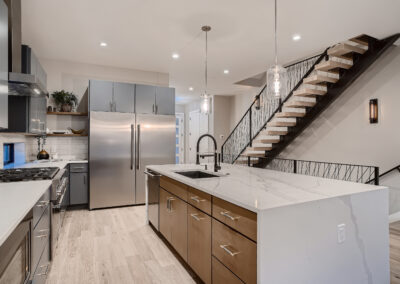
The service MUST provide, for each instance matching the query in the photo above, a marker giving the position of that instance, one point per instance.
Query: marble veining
(261, 189)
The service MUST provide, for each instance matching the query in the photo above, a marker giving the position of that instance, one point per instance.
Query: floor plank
(113, 246)
(394, 252)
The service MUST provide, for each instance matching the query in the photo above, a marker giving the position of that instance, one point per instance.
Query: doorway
(198, 125)
(180, 138)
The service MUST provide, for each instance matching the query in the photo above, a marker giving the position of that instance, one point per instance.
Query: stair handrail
(361, 172)
(278, 109)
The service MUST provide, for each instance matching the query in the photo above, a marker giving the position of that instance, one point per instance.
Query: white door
(180, 139)
(198, 125)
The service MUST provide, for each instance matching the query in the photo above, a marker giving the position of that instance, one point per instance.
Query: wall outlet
(341, 233)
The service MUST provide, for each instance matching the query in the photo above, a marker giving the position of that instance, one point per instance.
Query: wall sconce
(257, 102)
(373, 111)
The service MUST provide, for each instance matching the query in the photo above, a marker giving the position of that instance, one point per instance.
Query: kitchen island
(263, 226)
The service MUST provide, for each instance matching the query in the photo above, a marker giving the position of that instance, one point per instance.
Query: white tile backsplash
(66, 147)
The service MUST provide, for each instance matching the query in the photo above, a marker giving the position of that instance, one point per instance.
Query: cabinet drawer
(199, 243)
(221, 274)
(78, 168)
(175, 187)
(236, 217)
(40, 237)
(43, 268)
(40, 206)
(199, 199)
(235, 251)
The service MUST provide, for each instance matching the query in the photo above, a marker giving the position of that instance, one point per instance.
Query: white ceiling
(142, 34)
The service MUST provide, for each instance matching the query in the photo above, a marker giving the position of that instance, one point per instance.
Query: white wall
(221, 118)
(342, 133)
(74, 77)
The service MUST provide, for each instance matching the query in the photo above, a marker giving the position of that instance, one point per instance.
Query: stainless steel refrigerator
(120, 147)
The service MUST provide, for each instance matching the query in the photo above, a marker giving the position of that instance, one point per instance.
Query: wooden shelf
(66, 135)
(68, 113)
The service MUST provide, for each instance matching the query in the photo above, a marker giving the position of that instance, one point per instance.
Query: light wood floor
(395, 253)
(116, 246)
(113, 246)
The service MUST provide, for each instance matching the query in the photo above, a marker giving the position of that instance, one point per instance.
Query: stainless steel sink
(196, 174)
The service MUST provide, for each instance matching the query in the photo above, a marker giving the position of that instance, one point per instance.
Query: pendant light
(205, 105)
(277, 74)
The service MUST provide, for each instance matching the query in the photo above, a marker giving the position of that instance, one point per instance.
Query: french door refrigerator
(121, 145)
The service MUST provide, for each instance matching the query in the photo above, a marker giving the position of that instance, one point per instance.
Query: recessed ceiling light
(103, 44)
(175, 55)
(191, 89)
(226, 71)
(296, 37)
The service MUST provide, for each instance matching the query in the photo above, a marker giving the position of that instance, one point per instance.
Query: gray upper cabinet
(145, 99)
(124, 95)
(165, 100)
(101, 95)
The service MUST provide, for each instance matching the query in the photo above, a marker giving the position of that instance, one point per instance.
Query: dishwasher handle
(151, 174)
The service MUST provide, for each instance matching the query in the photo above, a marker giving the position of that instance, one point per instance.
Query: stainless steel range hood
(26, 76)
(22, 78)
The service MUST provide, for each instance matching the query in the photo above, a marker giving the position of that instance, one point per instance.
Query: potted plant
(65, 100)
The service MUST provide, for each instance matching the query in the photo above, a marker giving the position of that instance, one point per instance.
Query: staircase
(268, 127)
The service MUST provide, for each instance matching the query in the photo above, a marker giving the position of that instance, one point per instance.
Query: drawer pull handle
(226, 214)
(45, 271)
(41, 236)
(169, 203)
(197, 199)
(42, 204)
(195, 216)
(231, 253)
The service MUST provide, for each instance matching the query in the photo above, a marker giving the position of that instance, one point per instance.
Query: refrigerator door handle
(138, 148)
(132, 142)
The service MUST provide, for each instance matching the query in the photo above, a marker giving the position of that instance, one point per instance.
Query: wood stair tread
(267, 139)
(291, 112)
(308, 93)
(300, 102)
(345, 48)
(282, 121)
(274, 130)
(316, 79)
(331, 64)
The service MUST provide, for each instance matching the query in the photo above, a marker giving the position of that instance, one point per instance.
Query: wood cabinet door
(221, 274)
(165, 226)
(199, 243)
(178, 211)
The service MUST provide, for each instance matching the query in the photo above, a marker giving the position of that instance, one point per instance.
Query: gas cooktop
(26, 174)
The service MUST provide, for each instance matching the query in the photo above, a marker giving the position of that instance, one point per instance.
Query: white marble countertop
(260, 189)
(49, 163)
(17, 198)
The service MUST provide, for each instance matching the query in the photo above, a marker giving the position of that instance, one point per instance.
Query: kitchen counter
(49, 163)
(17, 198)
(324, 230)
(260, 189)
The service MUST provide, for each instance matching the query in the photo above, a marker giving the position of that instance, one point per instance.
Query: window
(8, 154)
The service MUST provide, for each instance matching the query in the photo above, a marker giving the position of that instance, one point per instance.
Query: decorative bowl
(79, 131)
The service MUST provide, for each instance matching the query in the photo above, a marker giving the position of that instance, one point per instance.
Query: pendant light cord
(275, 37)
(206, 64)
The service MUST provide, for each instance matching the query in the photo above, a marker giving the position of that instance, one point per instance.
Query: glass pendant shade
(205, 104)
(277, 78)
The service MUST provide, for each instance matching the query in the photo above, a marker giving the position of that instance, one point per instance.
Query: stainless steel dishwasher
(153, 187)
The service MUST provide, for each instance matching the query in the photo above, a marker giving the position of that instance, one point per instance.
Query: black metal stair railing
(262, 110)
(339, 171)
